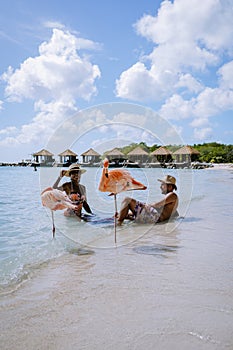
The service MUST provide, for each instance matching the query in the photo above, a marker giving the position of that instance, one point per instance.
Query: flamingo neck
(106, 171)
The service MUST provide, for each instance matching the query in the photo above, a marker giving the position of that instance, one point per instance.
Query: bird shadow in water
(80, 251)
(156, 249)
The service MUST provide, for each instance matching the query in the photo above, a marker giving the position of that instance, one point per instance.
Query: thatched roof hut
(138, 154)
(91, 156)
(68, 157)
(66, 153)
(161, 151)
(162, 154)
(44, 157)
(114, 153)
(186, 154)
(43, 153)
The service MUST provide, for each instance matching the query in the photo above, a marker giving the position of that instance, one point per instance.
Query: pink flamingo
(116, 181)
(56, 200)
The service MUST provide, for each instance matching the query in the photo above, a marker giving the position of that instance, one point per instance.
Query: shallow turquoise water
(25, 226)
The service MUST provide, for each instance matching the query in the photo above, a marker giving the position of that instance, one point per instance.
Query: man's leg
(127, 204)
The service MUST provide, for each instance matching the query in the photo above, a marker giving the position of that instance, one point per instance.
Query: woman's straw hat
(169, 180)
(74, 167)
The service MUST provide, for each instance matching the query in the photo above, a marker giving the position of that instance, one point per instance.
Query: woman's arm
(83, 192)
(55, 185)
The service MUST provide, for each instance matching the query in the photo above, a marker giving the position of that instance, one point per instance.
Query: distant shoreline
(215, 166)
(221, 166)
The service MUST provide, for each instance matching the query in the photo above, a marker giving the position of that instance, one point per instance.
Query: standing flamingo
(56, 200)
(116, 181)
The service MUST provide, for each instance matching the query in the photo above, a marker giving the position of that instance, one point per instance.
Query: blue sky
(60, 57)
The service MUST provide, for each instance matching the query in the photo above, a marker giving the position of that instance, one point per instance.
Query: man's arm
(170, 198)
(167, 207)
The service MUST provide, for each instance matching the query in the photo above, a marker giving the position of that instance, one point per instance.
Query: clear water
(170, 285)
(25, 226)
(25, 242)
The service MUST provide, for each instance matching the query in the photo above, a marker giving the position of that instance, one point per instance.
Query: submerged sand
(151, 295)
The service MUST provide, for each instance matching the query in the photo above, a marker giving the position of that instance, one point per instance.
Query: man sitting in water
(154, 212)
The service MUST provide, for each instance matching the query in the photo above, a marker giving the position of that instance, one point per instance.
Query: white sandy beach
(222, 166)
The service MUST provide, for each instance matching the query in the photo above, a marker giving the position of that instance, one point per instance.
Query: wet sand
(152, 294)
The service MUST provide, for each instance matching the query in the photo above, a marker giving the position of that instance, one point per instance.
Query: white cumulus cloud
(190, 41)
(176, 108)
(54, 80)
(226, 75)
(202, 134)
(58, 72)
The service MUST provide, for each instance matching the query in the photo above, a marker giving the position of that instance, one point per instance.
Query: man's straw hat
(169, 180)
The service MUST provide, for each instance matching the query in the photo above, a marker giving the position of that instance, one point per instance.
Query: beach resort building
(44, 157)
(114, 153)
(138, 155)
(186, 154)
(161, 155)
(68, 157)
(90, 157)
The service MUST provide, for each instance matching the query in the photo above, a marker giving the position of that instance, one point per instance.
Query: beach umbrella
(116, 181)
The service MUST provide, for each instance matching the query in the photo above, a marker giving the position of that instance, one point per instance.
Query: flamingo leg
(54, 229)
(115, 216)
